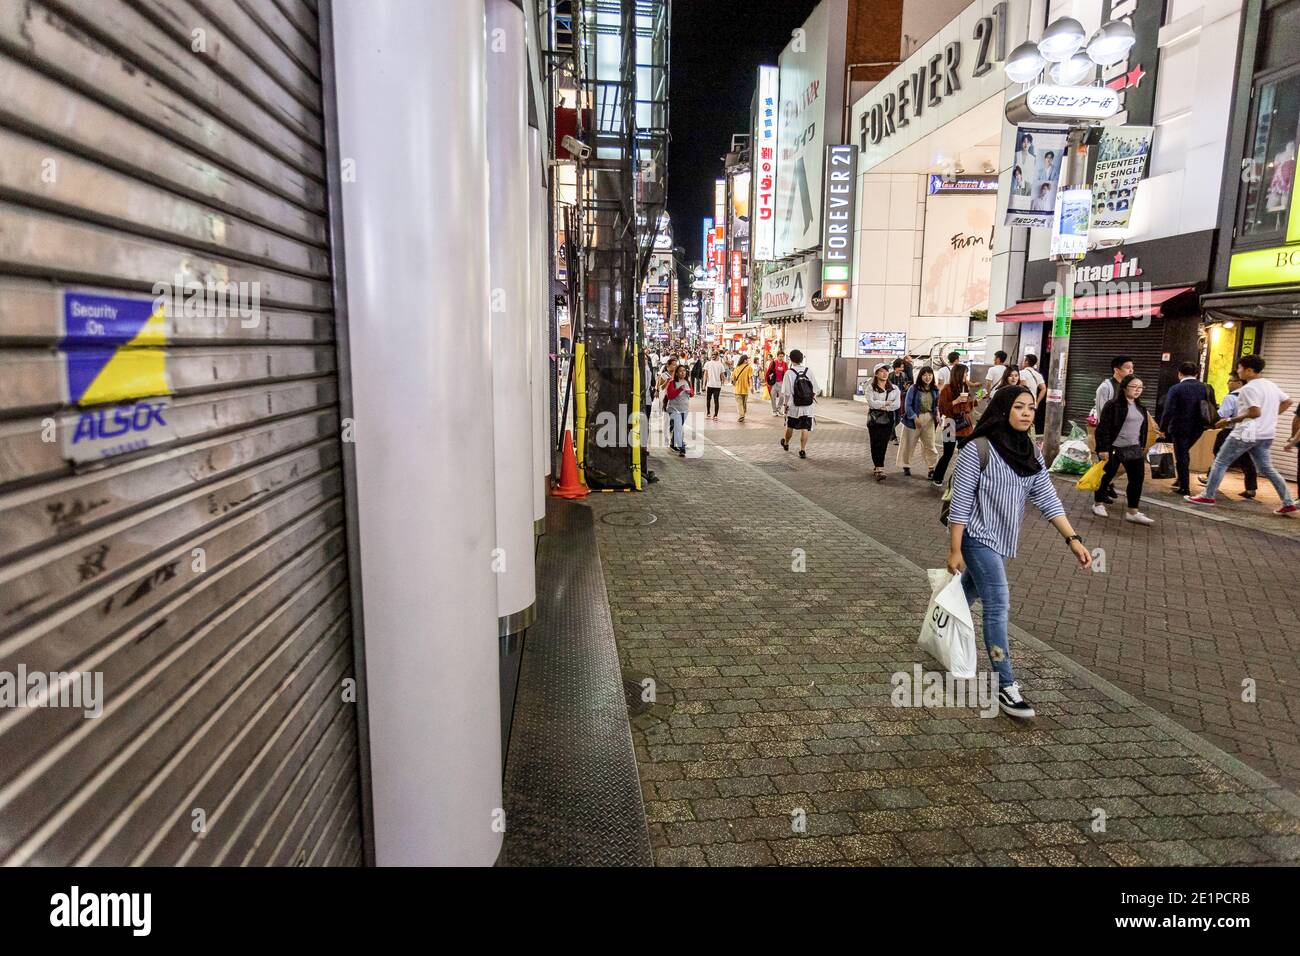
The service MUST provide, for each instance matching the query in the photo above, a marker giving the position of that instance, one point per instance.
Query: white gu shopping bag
(948, 633)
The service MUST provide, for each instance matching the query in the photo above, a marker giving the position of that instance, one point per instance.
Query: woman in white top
(883, 400)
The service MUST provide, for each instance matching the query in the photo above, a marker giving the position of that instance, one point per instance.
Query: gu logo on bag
(113, 357)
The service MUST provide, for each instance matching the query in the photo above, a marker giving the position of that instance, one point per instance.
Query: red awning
(1120, 305)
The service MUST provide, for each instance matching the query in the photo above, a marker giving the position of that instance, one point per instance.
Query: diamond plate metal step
(572, 793)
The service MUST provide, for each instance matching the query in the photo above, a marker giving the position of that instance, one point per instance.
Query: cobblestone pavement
(773, 739)
(1186, 611)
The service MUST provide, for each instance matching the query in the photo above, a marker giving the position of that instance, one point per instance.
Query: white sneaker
(1012, 704)
(1138, 518)
(1100, 511)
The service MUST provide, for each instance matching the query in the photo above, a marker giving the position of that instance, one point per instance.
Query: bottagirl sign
(839, 197)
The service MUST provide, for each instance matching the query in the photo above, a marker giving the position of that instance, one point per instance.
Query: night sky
(717, 47)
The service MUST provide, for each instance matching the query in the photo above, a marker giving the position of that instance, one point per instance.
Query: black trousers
(1247, 463)
(1183, 460)
(880, 435)
(941, 469)
(1136, 470)
(711, 400)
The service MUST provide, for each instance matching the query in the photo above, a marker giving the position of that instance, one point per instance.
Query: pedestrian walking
(898, 378)
(697, 373)
(1121, 366)
(1183, 420)
(744, 378)
(1009, 377)
(799, 395)
(1121, 443)
(1032, 379)
(1259, 403)
(714, 371)
(1228, 409)
(920, 411)
(678, 402)
(1291, 444)
(883, 403)
(997, 471)
(775, 376)
(956, 407)
(996, 371)
(943, 374)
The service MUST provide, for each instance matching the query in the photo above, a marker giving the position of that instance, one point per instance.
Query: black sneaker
(907, 471)
(802, 453)
(1012, 704)
(785, 444)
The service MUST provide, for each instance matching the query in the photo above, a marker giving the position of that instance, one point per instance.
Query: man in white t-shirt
(714, 370)
(996, 370)
(1259, 402)
(943, 374)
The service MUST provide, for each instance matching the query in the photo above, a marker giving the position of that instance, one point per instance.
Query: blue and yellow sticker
(113, 348)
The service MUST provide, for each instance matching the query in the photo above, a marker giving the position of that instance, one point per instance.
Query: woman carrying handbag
(1122, 429)
(956, 405)
(883, 400)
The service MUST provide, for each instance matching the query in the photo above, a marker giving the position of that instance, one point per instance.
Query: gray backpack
(982, 444)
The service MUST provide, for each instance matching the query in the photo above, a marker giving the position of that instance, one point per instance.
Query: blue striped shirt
(991, 505)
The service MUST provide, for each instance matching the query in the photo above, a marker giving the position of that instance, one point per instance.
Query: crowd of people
(978, 442)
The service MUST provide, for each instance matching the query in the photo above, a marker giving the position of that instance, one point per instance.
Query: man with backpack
(799, 392)
(1189, 410)
(775, 378)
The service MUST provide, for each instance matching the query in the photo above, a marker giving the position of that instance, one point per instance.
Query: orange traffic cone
(569, 486)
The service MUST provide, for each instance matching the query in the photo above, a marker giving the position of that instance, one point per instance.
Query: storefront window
(1268, 172)
(1267, 196)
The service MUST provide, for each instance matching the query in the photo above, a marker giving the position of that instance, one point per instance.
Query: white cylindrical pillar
(507, 142)
(539, 320)
(411, 103)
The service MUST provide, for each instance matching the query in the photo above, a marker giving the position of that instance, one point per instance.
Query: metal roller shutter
(1093, 343)
(200, 565)
(1281, 354)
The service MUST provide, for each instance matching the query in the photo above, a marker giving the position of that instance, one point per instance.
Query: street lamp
(1074, 56)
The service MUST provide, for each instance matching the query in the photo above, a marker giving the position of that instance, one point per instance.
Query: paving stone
(775, 685)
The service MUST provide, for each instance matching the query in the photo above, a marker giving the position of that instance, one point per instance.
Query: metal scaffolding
(613, 56)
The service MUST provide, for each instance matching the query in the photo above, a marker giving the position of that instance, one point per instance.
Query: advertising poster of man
(1035, 172)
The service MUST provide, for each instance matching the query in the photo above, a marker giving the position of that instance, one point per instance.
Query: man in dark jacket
(1182, 422)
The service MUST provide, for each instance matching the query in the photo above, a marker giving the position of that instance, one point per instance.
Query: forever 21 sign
(937, 77)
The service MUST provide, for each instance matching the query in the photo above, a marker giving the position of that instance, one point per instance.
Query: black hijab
(1015, 447)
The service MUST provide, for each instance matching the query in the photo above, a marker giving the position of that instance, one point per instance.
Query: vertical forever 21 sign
(839, 199)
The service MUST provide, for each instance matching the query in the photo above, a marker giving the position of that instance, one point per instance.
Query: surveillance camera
(575, 147)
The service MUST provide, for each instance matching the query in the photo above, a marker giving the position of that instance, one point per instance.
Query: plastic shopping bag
(1075, 456)
(1161, 458)
(948, 633)
(1091, 479)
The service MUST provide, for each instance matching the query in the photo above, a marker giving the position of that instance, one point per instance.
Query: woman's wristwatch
(1074, 537)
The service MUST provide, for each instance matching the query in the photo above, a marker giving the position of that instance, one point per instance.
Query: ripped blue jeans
(985, 579)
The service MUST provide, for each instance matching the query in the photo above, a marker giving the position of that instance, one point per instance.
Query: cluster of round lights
(1065, 44)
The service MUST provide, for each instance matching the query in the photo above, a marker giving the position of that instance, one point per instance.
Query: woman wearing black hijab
(995, 473)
